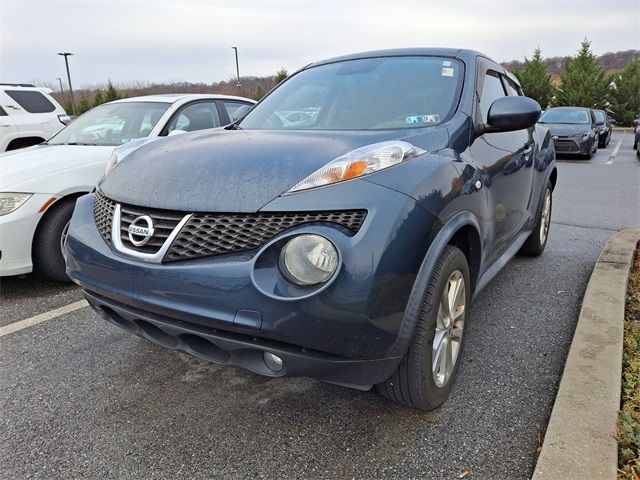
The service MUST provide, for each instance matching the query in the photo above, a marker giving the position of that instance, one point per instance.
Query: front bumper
(573, 146)
(241, 350)
(352, 323)
(16, 236)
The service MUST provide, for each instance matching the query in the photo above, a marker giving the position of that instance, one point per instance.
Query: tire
(414, 383)
(47, 251)
(537, 241)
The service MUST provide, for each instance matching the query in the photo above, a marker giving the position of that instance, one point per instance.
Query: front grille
(210, 234)
(164, 222)
(103, 209)
(566, 146)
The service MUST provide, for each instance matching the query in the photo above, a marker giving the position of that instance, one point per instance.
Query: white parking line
(43, 317)
(612, 157)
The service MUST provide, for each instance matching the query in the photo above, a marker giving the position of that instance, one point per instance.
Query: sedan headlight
(308, 260)
(10, 201)
(359, 162)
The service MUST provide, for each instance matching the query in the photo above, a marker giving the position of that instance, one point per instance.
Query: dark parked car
(636, 138)
(345, 247)
(605, 126)
(573, 129)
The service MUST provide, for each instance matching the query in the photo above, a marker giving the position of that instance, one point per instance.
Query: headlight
(308, 260)
(357, 163)
(113, 161)
(586, 136)
(12, 201)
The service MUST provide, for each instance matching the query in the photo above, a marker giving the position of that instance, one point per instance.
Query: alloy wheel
(449, 329)
(545, 219)
(63, 238)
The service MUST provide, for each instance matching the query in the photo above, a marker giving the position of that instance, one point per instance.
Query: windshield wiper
(233, 126)
(82, 144)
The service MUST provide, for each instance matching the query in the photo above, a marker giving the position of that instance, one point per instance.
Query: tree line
(584, 83)
(86, 99)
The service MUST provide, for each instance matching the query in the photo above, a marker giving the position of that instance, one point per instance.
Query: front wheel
(428, 370)
(48, 243)
(537, 241)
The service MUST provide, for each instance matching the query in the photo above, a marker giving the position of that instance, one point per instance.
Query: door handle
(2, 125)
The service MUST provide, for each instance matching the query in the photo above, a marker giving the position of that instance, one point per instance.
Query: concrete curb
(581, 436)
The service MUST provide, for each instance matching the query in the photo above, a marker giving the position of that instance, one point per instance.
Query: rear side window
(197, 116)
(231, 107)
(2, 113)
(491, 90)
(32, 102)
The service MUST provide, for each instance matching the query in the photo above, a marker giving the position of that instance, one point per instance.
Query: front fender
(443, 235)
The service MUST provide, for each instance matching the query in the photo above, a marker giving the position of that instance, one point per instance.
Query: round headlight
(308, 260)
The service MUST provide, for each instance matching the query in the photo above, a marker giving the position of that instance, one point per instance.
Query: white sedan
(39, 185)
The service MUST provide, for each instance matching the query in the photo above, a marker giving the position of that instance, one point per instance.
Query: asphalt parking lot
(81, 399)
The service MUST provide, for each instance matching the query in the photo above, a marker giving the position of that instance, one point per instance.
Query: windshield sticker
(420, 119)
(446, 63)
(447, 72)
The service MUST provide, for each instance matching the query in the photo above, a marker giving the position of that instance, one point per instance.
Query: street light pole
(66, 62)
(61, 89)
(238, 72)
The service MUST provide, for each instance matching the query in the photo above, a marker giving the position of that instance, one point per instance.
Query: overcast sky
(191, 40)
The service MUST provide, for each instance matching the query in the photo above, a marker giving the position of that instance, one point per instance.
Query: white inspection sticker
(414, 119)
(447, 72)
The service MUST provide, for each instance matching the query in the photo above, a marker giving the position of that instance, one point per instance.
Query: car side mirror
(240, 112)
(507, 114)
(612, 121)
(176, 132)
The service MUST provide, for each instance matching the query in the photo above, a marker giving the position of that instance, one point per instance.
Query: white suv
(28, 116)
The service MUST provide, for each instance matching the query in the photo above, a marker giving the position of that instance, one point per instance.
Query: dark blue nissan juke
(338, 231)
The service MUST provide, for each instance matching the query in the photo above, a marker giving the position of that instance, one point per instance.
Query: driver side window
(197, 116)
(492, 89)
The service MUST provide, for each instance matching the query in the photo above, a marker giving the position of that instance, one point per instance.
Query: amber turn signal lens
(47, 204)
(355, 169)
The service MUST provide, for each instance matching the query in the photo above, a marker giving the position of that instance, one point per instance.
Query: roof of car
(405, 52)
(176, 97)
(569, 107)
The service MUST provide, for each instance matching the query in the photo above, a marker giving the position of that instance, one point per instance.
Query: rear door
(35, 115)
(8, 129)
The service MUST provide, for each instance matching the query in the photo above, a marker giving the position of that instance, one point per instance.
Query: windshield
(112, 124)
(599, 116)
(367, 94)
(565, 116)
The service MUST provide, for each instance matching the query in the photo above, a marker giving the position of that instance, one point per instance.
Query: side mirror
(240, 112)
(176, 132)
(507, 114)
(612, 121)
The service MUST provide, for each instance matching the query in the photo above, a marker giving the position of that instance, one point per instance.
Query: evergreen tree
(98, 98)
(83, 106)
(584, 82)
(625, 97)
(281, 75)
(111, 94)
(536, 80)
(259, 93)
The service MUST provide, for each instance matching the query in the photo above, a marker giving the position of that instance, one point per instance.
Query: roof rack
(17, 84)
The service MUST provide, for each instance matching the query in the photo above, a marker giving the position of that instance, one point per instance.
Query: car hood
(235, 170)
(566, 129)
(24, 169)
